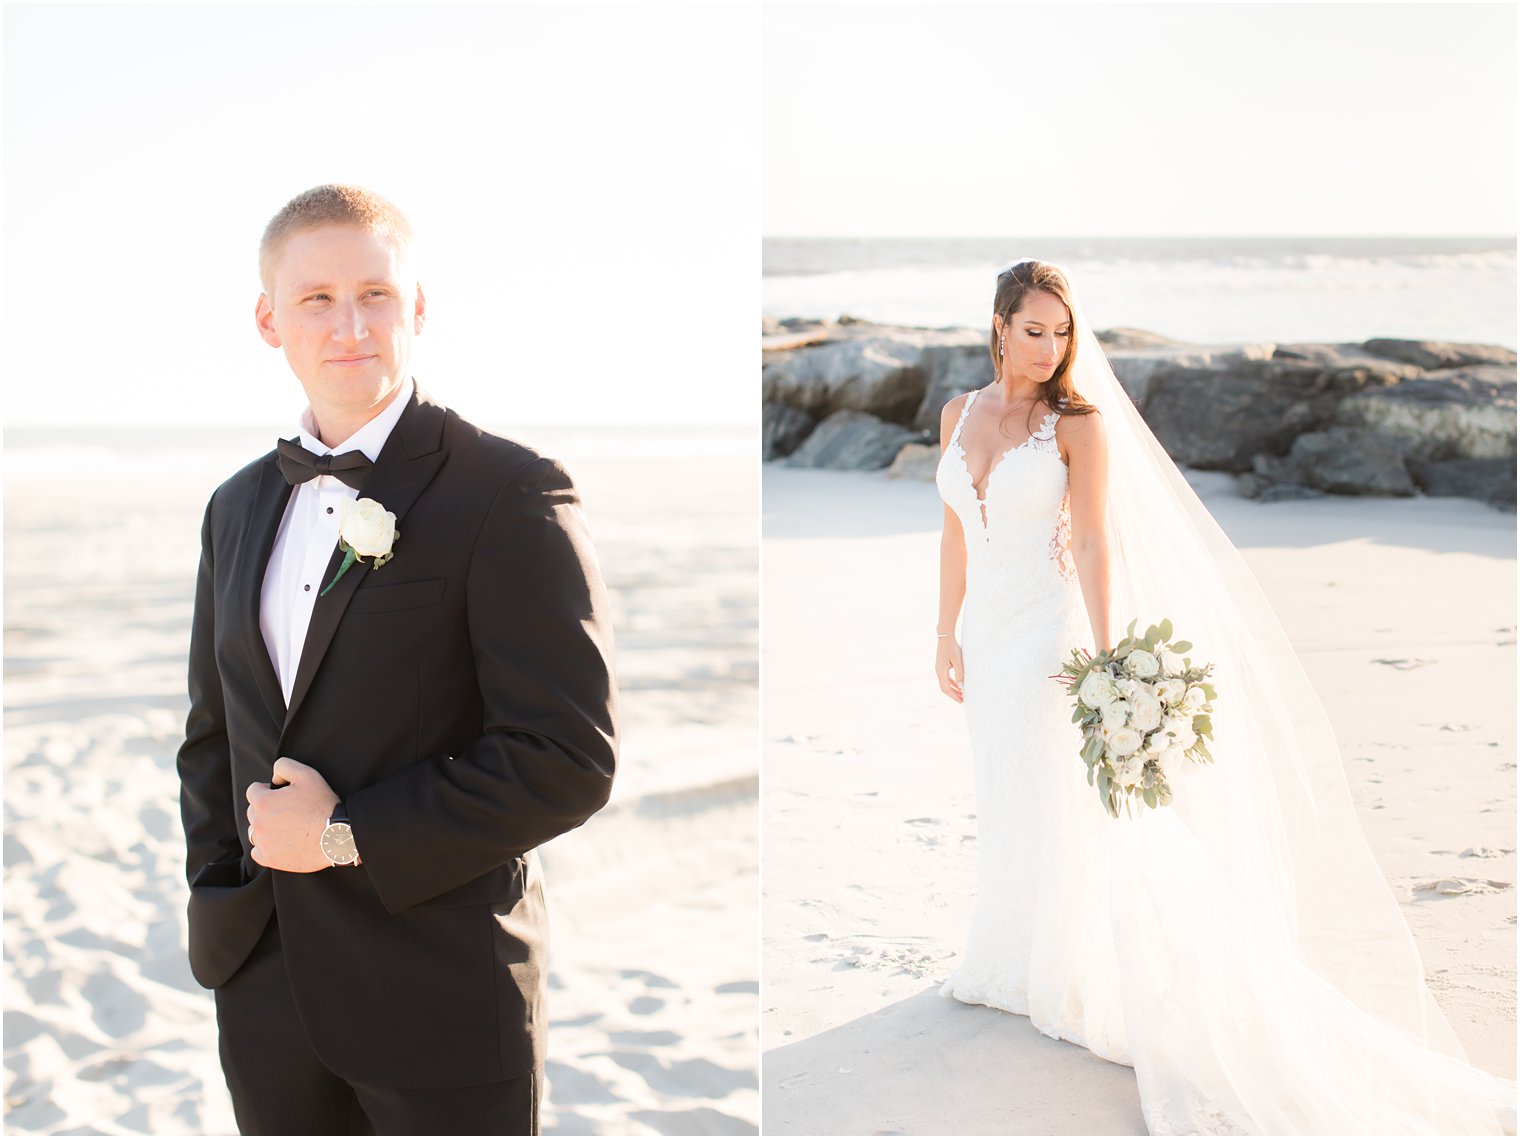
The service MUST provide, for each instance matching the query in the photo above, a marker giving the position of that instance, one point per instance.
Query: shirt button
(329, 510)
(307, 588)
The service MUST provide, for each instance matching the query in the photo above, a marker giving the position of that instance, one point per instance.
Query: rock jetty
(1382, 417)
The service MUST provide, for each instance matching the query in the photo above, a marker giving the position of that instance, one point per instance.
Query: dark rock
(1267, 490)
(1429, 354)
(782, 429)
(1134, 367)
(1466, 413)
(1218, 420)
(1345, 460)
(878, 371)
(951, 370)
(851, 441)
(1122, 338)
(1488, 480)
(803, 323)
(1273, 469)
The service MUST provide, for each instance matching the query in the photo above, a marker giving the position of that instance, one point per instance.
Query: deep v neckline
(981, 495)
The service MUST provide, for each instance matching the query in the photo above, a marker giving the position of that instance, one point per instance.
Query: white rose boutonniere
(365, 530)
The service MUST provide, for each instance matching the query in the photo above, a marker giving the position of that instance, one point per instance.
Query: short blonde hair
(331, 204)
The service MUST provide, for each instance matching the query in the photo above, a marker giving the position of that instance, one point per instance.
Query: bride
(1239, 948)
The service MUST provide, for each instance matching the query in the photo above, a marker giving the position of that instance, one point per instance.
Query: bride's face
(1035, 337)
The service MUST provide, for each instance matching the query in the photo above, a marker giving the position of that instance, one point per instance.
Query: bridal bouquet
(1144, 709)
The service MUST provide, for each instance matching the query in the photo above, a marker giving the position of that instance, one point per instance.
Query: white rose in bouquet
(1097, 689)
(1115, 714)
(1142, 664)
(1128, 770)
(1180, 730)
(1170, 690)
(1171, 662)
(1146, 712)
(1123, 741)
(1127, 686)
(1171, 761)
(1194, 698)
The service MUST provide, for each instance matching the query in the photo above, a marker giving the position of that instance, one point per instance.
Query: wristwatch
(338, 838)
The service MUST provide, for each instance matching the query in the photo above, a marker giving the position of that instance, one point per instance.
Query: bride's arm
(948, 668)
(1086, 445)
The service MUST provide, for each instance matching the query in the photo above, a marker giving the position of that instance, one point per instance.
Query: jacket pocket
(401, 595)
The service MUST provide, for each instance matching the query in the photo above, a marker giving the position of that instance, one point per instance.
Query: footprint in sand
(1456, 887)
(678, 1077)
(1484, 852)
(1403, 663)
(653, 980)
(646, 1039)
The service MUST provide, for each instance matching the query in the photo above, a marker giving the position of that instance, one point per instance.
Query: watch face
(338, 844)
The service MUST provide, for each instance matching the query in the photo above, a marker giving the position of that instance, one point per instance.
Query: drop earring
(1000, 347)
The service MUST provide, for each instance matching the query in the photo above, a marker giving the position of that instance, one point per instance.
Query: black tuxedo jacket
(459, 699)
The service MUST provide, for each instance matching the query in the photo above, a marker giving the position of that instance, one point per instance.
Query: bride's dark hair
(1014, 284)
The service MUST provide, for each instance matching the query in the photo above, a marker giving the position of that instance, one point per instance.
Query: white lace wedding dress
(1117, 934)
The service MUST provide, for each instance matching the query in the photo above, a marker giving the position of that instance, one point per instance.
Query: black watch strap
(339, 813)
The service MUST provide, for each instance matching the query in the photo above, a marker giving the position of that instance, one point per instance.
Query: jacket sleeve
(541, 636)
(205, 764)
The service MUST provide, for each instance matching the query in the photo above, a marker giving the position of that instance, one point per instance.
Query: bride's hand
(948, 668)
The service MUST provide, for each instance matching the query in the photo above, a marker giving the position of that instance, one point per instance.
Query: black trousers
(279, 1087)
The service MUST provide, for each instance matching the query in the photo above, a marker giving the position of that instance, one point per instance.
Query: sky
(583, 180)
(1078, 119)
(589, 182)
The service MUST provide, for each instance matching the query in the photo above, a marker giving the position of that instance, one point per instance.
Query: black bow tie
(299, 465)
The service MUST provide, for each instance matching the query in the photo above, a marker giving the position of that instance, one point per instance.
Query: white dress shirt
(308, 534)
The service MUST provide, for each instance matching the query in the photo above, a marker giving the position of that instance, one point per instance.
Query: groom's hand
(286, 819)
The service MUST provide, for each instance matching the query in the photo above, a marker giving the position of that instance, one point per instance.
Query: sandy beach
(1403, 612)
(655, 975)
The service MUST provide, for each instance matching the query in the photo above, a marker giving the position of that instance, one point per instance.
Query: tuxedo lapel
(268, 507)
(405, 466)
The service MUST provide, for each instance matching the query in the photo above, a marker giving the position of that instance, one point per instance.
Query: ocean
(1202, 289)
(209, 454)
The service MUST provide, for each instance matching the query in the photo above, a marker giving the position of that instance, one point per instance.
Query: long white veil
(1259, 944)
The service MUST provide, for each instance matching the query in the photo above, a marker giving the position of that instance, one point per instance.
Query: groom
(386, 717)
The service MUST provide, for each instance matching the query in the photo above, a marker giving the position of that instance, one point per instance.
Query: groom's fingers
(286, 770)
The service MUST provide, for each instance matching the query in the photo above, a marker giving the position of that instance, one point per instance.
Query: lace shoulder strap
(955, 436)
(1046, 431)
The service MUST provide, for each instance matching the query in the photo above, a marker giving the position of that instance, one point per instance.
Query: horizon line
(1139, 236)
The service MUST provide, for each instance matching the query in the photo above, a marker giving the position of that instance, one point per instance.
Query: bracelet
(944, 634)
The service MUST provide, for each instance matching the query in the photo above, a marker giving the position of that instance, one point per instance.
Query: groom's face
(345, 309)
